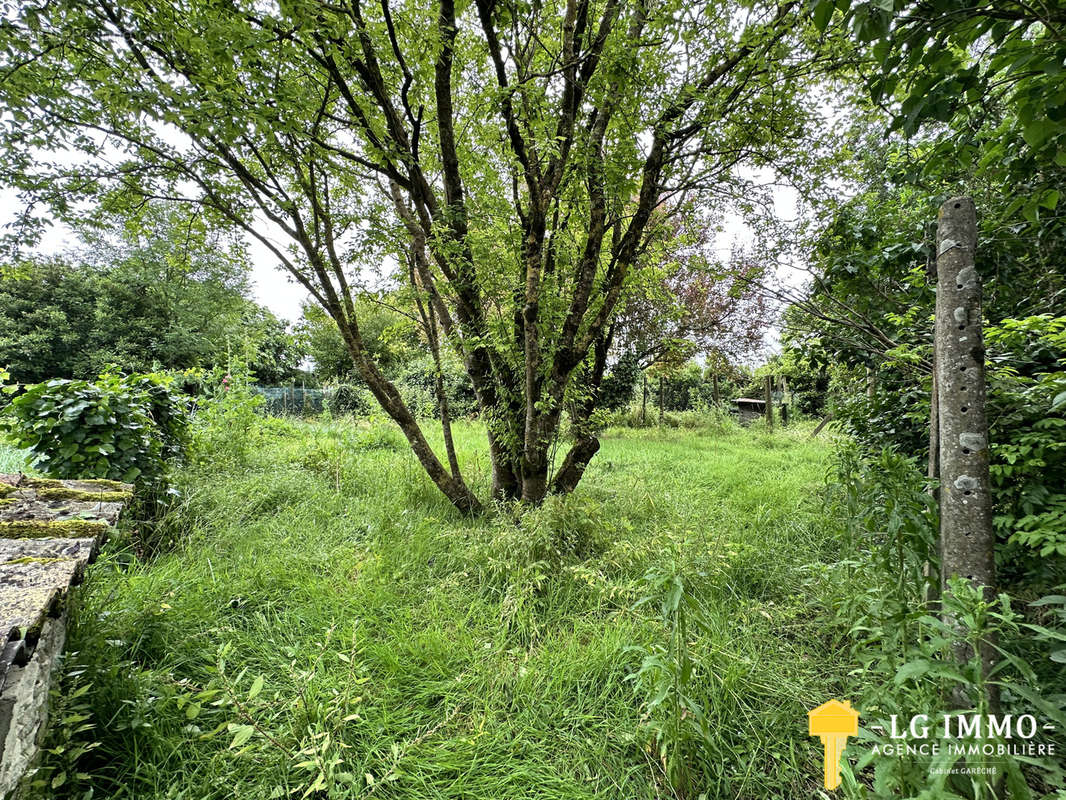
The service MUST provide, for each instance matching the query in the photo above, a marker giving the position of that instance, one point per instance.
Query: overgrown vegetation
(505, 217)
(885, 586)
(327, 625)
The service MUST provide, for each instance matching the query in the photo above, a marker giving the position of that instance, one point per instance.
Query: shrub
(418, 385)
(119, 428)
(348, 398)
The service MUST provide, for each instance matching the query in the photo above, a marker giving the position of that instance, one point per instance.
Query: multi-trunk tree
(510, 157)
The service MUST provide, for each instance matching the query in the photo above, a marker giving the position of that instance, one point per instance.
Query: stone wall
(50, 531)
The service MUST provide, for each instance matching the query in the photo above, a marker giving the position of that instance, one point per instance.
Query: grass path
(318, 621)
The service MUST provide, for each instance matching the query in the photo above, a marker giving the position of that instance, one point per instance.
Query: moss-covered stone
(95, 483)
(6, 489)
(38, 483)
(64, 493)
(35, 528)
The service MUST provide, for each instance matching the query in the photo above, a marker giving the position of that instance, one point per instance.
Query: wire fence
(291, 400)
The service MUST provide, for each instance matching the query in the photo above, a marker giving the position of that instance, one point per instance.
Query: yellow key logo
(833, 722)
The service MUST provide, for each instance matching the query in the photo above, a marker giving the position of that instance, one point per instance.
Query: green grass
(12, 459)
(406, 651)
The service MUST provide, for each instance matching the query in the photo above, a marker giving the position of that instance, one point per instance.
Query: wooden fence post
(967, 540)
(644, 401)
(769, 404)
(782, 384)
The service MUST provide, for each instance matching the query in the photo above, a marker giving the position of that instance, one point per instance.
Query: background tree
(521, 149)
(158, 290)
(390, 337)
(691, 301)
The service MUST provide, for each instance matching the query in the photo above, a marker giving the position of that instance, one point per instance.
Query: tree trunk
(586, 443)
(714, 389)
(662, 397)
(966, 536)
(769, 405)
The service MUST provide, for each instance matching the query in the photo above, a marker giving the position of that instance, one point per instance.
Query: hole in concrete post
(967, 493)
(958, 205)
(964, 409)
(965, 451)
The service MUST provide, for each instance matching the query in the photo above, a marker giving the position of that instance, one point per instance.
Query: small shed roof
(751, 400)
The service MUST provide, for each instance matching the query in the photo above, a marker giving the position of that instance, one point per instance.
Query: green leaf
(911, 670)
(243, 734)
(823, 13)
(257, 687)
(1038, 131)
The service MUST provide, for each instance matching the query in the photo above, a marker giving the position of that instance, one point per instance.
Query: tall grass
(12, 459)
(319, 622)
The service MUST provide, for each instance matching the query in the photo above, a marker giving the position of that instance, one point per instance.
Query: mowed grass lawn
(312, 619)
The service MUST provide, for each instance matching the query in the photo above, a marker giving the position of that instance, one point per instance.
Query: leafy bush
(1027, 399)
(620, 383)
(119, 428)
(417, 383)
(349, 398)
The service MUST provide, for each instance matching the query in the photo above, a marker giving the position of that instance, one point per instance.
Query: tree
(278, 352)
(390, 337)
(690, 301)
(510, 157)
(156, 289)
(988, 68)
(47, 314)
